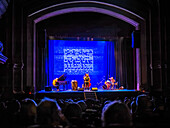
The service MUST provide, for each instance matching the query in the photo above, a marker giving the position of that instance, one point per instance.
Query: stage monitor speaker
(80, 89)
(136, 39)
(48, 89)
(94, 89)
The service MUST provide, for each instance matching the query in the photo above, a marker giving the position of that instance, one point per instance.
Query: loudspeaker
(94, 89)
(136, 39)
(48, 89)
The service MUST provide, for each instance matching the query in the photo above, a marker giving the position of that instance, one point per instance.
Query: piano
(61, 81)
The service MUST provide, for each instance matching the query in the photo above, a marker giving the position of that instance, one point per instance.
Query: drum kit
(107, 85)
(110, 84)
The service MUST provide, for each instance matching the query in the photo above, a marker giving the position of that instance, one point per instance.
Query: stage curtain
(111, 67)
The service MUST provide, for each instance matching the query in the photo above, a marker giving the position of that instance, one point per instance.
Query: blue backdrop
(75, 58)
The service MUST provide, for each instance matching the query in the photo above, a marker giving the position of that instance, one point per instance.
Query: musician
(86, 81)
(113, 83)
(56, 84)
(107, 85)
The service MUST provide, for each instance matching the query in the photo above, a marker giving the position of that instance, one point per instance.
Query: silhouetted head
(73, 110)
(115, 113)
(144, 105)
(82, 104)
(28, 111)
(13, 106)
(49, 112)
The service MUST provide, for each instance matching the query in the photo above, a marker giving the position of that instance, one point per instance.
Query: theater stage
(111, 94)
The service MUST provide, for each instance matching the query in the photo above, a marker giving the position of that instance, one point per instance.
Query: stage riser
(80, 94)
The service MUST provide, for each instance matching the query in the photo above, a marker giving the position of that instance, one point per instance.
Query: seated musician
(107, 85)
(56, 84)
(87, 83)
(113, 82)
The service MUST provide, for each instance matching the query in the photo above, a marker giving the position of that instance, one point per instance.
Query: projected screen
(75, 58)
(78, 61)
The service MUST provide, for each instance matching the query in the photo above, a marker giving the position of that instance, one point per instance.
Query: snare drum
(74, 85)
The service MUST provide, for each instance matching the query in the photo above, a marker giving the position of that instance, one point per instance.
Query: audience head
(28, 112)
(13, 106)
(49, 112)
(107, 102)
(143, 104)
(82, 105)
(116, 113)
(3, 113)
(2, 107)
(90, 103)
(73, 110)
(133, 107)
(61, 104)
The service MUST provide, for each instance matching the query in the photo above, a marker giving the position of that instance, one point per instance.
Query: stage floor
(81, 94)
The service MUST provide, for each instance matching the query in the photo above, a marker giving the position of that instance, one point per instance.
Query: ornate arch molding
(87, 6)
(70, 7)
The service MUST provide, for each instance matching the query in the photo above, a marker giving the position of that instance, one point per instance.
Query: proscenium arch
(88, 9)
(41, 15)
(104, 4)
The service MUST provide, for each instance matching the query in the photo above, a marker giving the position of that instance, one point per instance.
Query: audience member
(144, 108)
(12, 108)
(73, 113)
(82, 105)
(90, 103)
(3, 114)
(49, 114)
(28, 112)
(116, 114)
(108, 112)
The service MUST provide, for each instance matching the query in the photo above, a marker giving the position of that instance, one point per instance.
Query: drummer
(113, 84)
(108, 84)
